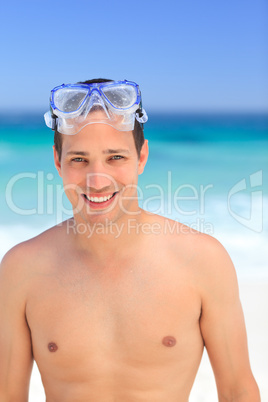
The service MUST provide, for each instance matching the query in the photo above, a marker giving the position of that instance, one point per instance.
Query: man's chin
(99, 218)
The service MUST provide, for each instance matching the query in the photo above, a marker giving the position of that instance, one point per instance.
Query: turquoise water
(194, 165)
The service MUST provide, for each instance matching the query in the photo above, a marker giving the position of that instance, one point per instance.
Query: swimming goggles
(74, 106)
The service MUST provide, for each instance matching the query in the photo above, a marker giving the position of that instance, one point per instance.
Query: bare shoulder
(25, 258)
(209, 262)
(203, 254)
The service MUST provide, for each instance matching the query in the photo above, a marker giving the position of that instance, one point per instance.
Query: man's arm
(223, 328)
(15, 339)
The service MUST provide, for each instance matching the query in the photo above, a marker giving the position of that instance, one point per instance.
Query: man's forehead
(99, 136)
(96, 113)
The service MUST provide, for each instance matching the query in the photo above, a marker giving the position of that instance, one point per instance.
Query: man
(110, 304)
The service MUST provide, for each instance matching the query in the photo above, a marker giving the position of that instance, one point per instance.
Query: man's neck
(104, 240)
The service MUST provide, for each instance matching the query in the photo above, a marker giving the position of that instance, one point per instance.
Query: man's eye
(115, 157)
(78, 160)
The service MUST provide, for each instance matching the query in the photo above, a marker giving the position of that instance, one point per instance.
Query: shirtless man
(108, 317)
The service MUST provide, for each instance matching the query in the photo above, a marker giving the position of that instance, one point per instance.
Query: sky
(186, 55)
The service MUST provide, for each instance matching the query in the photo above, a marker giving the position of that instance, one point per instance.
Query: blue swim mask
(74, 106)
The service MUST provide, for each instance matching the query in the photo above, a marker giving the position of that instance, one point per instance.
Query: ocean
(209, 171)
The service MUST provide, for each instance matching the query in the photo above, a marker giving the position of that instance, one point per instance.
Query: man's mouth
(101, 201)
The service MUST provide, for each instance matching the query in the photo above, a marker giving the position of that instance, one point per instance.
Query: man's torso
(128, 331)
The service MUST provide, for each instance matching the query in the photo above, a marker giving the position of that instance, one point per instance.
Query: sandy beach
(254, 297)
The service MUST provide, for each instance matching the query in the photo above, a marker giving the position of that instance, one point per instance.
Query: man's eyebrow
(106, 152)
(80, 153)
(116, 151)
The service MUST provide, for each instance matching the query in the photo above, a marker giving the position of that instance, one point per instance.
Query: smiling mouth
(99, 200)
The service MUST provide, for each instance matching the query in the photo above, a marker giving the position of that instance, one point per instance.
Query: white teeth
(99, 199)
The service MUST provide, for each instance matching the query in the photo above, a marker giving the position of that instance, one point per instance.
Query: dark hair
(138, 134)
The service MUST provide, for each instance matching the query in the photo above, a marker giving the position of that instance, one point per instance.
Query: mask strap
(141, 115)
(51, 120)
(54, 124)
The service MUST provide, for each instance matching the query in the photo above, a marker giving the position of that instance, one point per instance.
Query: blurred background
(202, 68)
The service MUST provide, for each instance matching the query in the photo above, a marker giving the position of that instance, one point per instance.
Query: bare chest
(132, 317)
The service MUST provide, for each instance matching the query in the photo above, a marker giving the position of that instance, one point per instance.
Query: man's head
(99, 167)
(103, 101)
(99, 147)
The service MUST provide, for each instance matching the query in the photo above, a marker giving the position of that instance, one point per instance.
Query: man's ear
(143, 157)
(57, 161)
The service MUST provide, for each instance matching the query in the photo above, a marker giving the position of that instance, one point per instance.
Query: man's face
(100, 167)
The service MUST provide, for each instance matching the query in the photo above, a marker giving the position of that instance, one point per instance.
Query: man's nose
(100, 181)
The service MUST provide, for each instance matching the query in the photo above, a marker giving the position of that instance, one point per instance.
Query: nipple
(169, 341)
(52, 347)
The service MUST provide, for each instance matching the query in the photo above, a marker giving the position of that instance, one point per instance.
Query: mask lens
(69, 100)
(120, 96)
